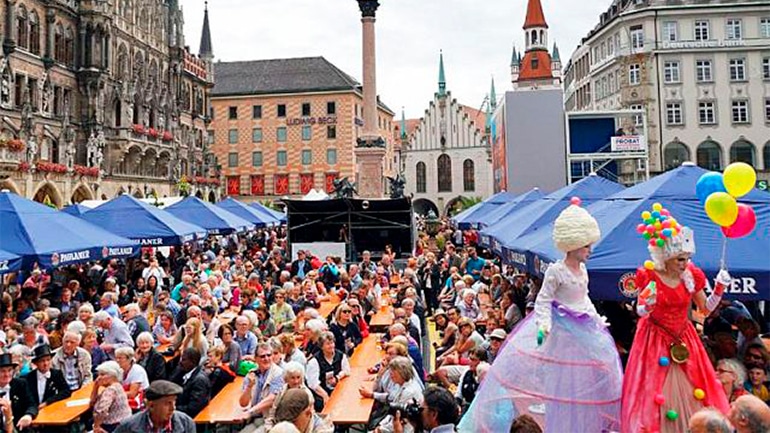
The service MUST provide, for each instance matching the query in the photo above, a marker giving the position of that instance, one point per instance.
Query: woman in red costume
(669, 375)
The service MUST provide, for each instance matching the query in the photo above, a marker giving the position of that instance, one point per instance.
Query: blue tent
(9, 262)
(505, 233)
(246, 212)
(142, 222)
(280, 216)
(529, 197)
(269, 217)
(213, 218)
(621, 250)
(76, 209)
(470, 218)
(40, 234)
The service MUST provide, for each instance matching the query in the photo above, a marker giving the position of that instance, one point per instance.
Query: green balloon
(672, 415)
(647, 236)
(661, 243)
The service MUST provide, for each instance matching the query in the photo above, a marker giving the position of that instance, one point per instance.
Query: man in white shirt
(408, 306)
(46, 384)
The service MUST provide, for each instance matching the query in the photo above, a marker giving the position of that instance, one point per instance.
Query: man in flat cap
(160, 415)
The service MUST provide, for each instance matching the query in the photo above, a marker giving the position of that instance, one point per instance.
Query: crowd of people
(158, 337)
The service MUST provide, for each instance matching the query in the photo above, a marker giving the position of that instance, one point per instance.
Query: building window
(444, 169)
(34, 33)
(256, 159)
(421, 183)
(766, 68)
(707, 113)
(703, 71)
(331, 156)
(209, 137)
(675, 154)
(331, 108)
(670, 31)
(306, 132)
(709, 156)
(534, 63)
(281, 110)
(331, 132)
(702, 31)
(734, 29)
(671, 72)
(256, 112)
(740, 111)
(256, 135)
(767, 112)
(634, 74)
(638, 117)
(232, 159)
(281, 158)
(306, 109)
(674, 113)
(742, 151)
(232, 136)
(232, 113)
(233, 185)
(469, 176)
(280, 134)
(764, 28)
(637, 37)
(307, 156)
(738, 69)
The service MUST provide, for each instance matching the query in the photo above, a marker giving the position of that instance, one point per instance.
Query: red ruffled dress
(647, 378)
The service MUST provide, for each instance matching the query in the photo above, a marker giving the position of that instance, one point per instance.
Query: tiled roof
(535, 16)
(541, 69)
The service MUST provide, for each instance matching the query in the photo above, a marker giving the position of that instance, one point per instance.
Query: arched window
(69, 46)
(58, 43)
(675, 154)
(469, 176)
(21, 27)
(709, 155)
(742, 151)
(421, 175)
(534, 37)
(766, 156)
(444, 168)
(34, 33)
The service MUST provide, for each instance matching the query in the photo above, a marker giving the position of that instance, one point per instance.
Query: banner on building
(629, 143)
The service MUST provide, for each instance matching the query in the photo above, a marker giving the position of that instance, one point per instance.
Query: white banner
(320, 249)
(629, 143)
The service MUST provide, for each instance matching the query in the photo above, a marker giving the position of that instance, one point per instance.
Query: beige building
(99, 98)
(700, 71)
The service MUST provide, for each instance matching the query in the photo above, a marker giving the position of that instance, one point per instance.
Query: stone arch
(423, 205)
(137, 193)
(199, 194)
(766, 156)
(82, 192)
(48, 192)
(743, 151)
(10, 185)
(149, 163)
(709, 155)
(674, 154)
(451, 205)
(212, 197)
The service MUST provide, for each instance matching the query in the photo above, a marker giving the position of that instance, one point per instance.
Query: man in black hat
(161, 413)
(15, 392)
(46, 384)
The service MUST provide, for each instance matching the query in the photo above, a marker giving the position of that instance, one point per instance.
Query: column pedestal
(369, 169)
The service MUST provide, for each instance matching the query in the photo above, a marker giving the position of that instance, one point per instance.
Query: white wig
(575, 228)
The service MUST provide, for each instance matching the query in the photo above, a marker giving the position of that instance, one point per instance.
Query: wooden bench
(366, 354)
(224, 407)
(59, 414)
(345, 405)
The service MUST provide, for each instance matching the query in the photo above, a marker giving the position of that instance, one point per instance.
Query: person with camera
(409, 392)
(437, 413)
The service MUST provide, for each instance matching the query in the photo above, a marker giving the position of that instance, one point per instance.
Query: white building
(446, 152)
(700, 70)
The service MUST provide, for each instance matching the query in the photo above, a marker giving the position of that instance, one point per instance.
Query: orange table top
(162, 348)
(382, 318)
(327, 307)
(366, 354)
(346, 406)
(224, 407)
(59, 414)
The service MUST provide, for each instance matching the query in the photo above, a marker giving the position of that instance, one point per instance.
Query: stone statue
(31, 148)
(397, 186)
(69, 154)
(161, 120)
(91, 150)
(5, 82)
(343, 188)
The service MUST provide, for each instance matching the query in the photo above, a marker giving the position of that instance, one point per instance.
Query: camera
(411, 412)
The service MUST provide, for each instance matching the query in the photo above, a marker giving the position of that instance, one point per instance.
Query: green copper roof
(514, 58)
(403, 124)
(441, 76)
(555, 55)
(493, 96)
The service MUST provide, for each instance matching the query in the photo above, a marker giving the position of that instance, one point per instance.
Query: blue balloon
(655, 214)
(667, 232)
(708, 184)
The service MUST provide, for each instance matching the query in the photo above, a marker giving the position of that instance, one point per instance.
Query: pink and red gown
(645, 377)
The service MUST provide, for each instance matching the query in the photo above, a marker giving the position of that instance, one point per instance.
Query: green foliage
(464, 203)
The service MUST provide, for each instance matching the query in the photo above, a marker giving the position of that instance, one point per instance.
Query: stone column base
(370, 172)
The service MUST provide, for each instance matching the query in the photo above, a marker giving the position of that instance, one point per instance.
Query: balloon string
(724, 252)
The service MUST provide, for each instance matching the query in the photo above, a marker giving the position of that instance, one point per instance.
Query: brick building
(285, 126)
(99, 98)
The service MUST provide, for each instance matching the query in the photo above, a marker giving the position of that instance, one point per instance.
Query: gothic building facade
(99, 98)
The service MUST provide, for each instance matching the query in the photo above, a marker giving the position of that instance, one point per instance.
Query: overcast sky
(475, 35)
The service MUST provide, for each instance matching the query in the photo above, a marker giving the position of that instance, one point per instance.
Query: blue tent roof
(76, 209)
(538, 214)
(470, 218)
(280, 216)
(213, 218)
(145, 223)
(526, 199)
(9, 262)
(269, 218)
(621, 250)
(246, 212)
(51, 238)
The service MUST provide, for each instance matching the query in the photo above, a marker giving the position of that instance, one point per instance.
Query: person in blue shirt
(473, 264)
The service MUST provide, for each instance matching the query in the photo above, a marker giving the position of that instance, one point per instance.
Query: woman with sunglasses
(669, 376)
(346, 333)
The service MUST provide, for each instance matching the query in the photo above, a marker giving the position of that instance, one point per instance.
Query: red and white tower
(538, 69)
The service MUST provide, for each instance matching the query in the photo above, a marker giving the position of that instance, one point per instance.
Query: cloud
(476, 37)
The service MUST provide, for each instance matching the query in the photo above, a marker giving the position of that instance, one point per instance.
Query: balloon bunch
(658, 227)
(718, 193)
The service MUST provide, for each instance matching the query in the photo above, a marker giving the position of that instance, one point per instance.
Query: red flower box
(86, 171)
(167, 136)
(152, 132)
(15, 145)
(23, 166)
(50, 167)
(139, 129)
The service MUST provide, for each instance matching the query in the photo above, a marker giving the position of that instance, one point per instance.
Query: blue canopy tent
(142, 222)
(529, 197)
(9, 262)
(213, 218)
(40, 234)
(246, 212)
(621, 250)
(538, 214)
(470, 218)
(76, 209)
(269, 218)
(280, 216)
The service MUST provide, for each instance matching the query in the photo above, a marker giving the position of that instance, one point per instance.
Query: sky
(476, 37)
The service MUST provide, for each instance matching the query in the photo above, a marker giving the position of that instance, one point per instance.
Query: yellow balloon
(739, 178)
(722, 208)
(649, 265)
(673, 223)
(657, 206)
(699, 394)
(658, 225)
(646, 215)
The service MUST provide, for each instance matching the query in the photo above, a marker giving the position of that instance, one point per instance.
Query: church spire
(205, 50)
(535, 16)
(441, 76)
(555, 53)
(514, 58)
(493, 96)
(403, 124)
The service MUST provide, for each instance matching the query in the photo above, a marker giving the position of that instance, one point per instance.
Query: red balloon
(641, 228)
(576, 201)
(650, 229)
(666, 224)
(742, 226)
